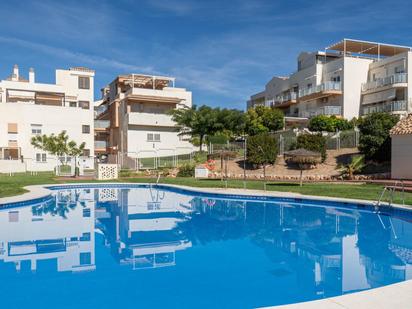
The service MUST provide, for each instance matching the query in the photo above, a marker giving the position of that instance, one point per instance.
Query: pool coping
(394, 295)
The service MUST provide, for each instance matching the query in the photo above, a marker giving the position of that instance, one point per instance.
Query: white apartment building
(132, 117)
(349, 79)
(29, 108)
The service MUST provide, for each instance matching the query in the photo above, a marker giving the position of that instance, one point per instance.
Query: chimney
(31, 76)
(15, 75)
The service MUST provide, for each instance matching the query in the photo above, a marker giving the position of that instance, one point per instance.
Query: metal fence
(152, 159)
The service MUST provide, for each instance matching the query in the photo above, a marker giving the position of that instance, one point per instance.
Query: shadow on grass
(283, 184)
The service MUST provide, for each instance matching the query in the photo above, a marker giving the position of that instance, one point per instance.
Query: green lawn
(10, 186)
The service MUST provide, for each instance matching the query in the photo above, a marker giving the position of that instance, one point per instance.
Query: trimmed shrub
(374, 140)
(313, 142)
(262, 149)
(186, 170)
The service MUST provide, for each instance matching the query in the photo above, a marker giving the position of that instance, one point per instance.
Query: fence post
(281, 145)
(338, 141)
(356, 137)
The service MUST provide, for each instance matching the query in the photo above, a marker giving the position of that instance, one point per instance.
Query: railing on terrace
(101, 124)
(385, 81)
(100, 144)
(100, 110)
(394, 106)
(327, 86)
(286, 97)
(326, 110)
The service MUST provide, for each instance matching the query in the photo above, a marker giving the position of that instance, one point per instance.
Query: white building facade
(349, 79)
(29, 108)
(138, 123)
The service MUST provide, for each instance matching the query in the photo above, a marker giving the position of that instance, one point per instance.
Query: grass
(13, 185)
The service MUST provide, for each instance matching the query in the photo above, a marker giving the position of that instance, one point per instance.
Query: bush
(200, 156)
(374, 140)
(262, 149)
(313, 142)
(329, 124)
(217, 139)
(125, 173)
(186, 170)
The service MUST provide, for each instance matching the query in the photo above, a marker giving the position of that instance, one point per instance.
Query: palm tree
(356, 165)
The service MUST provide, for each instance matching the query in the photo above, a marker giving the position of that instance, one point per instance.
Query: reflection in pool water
(160, 248)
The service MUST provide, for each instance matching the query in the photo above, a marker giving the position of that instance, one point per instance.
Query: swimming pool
(137, 246)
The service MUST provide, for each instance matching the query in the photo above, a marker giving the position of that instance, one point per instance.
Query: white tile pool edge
(397, 295)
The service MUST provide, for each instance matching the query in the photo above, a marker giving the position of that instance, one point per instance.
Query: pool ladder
(391, 191)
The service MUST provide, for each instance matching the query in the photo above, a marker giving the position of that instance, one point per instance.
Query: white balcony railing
(325, 110)
(100, 144)
(101, 124)
(398, 78)
(290, 96)
(151, 119)
(388, 107)
(327, 86)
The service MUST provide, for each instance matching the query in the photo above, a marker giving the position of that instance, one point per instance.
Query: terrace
(323, 90)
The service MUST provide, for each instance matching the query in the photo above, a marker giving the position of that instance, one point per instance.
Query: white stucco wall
(53, 119)
(401, 166)
(169, 144)
(355, 73)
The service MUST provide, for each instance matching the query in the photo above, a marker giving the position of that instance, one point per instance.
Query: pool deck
(394, 296)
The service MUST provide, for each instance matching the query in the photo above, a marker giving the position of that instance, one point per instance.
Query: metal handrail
(391, 189)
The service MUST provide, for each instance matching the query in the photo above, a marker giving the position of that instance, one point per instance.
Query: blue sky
(222, 51)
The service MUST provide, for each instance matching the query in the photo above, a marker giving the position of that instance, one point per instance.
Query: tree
(199, 122)
(263, 119)
(58, 145)
(322, 123)
(262, 150)
(356, 165)
(312, 142)
(374, 140)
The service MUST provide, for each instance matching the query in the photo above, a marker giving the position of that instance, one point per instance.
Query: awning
(368, 48)
(380, 96)
(21, 94)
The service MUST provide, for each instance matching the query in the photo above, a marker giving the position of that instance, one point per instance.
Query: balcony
(151, 119)
(320, 91)
(286, 99)
(325, 110)
(388, 107)
(396, 80)
(101, 125)
(100, 145)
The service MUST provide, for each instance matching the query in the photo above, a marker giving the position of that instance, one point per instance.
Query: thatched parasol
(303, 158)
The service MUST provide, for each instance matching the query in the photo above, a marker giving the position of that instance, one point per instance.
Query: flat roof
(368, 48)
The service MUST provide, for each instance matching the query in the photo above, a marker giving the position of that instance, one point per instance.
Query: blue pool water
(160, 247)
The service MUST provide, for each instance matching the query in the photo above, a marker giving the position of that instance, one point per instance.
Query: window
(86, 212)
(41, 157)
(309, 85)
(13, 216)
(86, 152)
(36, 129)
(85, 237)
(84, 82)
(85, 129)
(12, 128)
(153, 137)
(84, 104)
(399, 69)
(336, 79)
(85, 258)
(72, 104)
